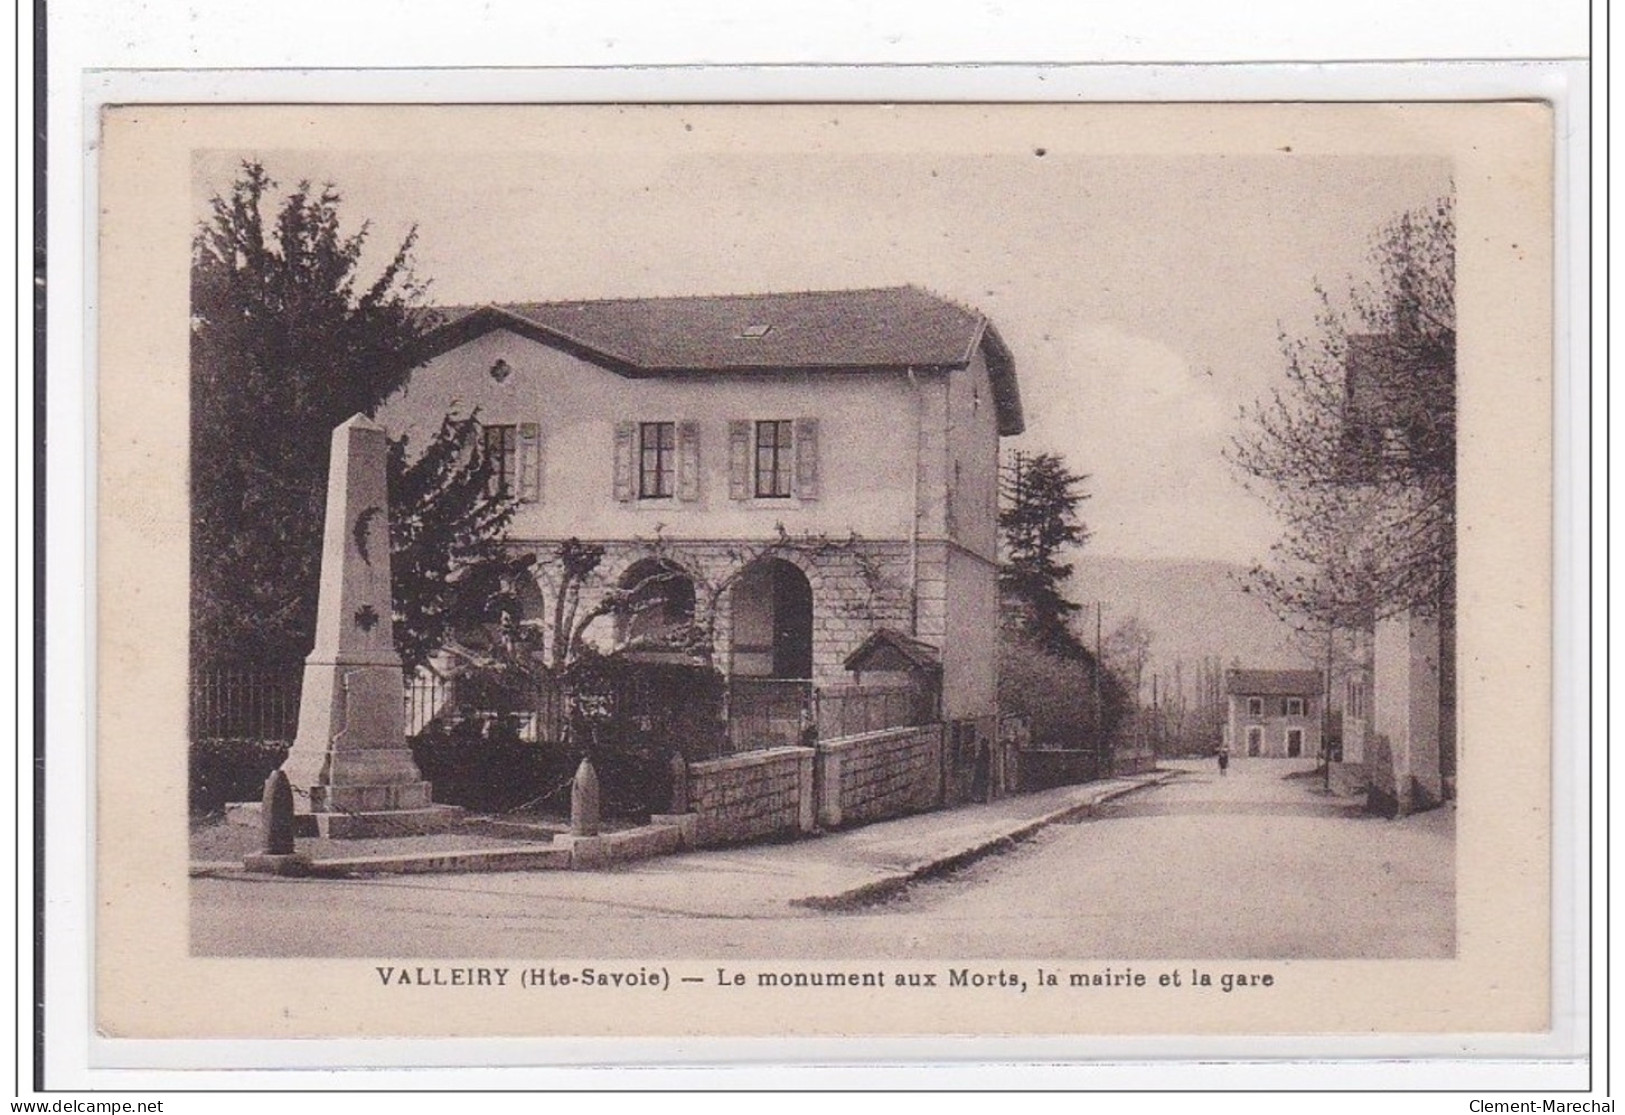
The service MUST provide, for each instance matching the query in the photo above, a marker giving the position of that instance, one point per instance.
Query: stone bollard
(276, 815)
(584, 800)
(277, 855)
(679, 783)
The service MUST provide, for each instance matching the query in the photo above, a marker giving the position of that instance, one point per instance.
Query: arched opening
(770, 656)
(490, 668)
(772, 622)
(659, 612)
(500, 608)
(530, 608)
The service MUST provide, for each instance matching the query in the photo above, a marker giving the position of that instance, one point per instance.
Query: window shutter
(530, 462)
(626, 434)
(688, 461)
(739, 454)
(807, 458)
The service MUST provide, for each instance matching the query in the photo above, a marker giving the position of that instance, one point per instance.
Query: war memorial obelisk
(350, 767)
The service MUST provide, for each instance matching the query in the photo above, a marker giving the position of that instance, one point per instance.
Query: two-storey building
(1274, 714)
(805, 469)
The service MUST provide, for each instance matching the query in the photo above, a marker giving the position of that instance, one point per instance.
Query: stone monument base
(359, 796)
(360, 825)
(368, 792)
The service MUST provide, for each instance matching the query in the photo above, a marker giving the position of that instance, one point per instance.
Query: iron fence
(767, 712)
(428, 697)
(263, 703)
(783, 712)
(534, 701)
(232, 702)
(850, 710)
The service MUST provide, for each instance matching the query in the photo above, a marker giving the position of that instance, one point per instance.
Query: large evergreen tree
(288, 340)
(1039, 521)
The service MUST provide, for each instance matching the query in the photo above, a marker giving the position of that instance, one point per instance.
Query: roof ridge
(862, 328)
(735, 297)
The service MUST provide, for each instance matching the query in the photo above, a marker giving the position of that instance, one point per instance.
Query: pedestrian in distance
(1224, 760)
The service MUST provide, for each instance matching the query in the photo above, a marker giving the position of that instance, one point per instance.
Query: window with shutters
(773, 459)
(657, 454)
(514, 453)
(775, 443)
(501, 446)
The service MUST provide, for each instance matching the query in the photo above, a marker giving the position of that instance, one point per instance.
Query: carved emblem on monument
(363, 524)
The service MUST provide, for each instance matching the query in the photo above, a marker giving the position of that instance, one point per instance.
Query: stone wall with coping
(751, 796)
(879, 774)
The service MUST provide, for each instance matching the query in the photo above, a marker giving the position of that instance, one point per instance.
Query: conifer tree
(287, 341)
(1039, 522)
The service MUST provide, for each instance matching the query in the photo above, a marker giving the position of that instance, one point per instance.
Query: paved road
(1255, 865)
(1247, 866)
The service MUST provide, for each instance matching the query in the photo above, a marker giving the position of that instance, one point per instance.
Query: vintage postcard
(823, 570)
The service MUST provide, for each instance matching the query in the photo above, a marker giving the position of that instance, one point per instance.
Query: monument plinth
(349, 766)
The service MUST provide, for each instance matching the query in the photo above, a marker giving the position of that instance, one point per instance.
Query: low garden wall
(1045, 770)
(750, 796)
(879, 774)
(1139, 760)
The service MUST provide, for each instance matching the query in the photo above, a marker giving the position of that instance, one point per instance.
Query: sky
(1142, 293)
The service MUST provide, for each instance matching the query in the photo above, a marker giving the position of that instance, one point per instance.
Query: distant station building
(1274, 714)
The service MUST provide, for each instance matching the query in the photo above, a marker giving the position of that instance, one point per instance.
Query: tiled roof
(922, 656)
(1273, 683)
(839, 330)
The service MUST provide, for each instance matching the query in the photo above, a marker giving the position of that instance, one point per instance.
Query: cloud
(1151, 431)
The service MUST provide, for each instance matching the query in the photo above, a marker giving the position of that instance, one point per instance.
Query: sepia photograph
(877, 553)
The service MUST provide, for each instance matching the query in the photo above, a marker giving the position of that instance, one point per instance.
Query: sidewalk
(833, 870)
(867, 864)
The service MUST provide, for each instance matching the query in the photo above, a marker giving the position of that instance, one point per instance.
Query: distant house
(685, 434)
(1274, 713)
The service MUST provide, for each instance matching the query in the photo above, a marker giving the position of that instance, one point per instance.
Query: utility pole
(1094, 676)
(1018, 492)
(1179, 703)
(1156, 716)
(1326, 710)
